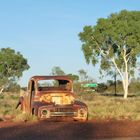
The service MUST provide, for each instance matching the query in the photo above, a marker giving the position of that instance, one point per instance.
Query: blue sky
(46, 31)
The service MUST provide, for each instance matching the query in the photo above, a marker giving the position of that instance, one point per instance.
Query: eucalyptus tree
(12, 66)
(114, 42)
(56, 70)
(83, 75)
(73, 77)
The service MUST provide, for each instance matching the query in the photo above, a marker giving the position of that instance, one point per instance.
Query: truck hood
(58, 98)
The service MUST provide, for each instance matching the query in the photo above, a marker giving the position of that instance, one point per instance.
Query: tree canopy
(56, 70)
(83, 75)
(73, 77)
(114, 42)
(12, 65)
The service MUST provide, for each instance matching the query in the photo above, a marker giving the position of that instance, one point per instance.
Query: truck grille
(69, 112)
(64, 110)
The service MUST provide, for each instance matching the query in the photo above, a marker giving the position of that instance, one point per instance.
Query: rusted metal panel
(53, 101)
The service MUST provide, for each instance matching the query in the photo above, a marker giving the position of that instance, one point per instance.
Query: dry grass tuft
(105, 107)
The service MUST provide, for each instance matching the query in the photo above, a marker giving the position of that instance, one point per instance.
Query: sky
(46, 32)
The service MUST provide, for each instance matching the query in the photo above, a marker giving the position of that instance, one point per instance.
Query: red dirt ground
(90, 130)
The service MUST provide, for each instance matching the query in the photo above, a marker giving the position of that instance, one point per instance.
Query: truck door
(31, 91)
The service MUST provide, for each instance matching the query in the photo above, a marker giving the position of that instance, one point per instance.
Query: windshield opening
(45, 85)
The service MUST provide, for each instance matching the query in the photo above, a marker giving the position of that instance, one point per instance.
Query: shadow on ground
(45, 130)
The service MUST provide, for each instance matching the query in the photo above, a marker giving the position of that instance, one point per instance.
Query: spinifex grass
(100, 107)
(105, 107)
(8, 102)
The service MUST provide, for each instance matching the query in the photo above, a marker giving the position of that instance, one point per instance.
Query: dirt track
(69, 130)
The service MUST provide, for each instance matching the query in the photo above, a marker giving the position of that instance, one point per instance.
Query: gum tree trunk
(123, 74)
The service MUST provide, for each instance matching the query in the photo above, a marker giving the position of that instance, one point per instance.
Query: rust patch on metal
(50, 97)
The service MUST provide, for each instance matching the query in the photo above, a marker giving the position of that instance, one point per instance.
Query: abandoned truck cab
(52, 97)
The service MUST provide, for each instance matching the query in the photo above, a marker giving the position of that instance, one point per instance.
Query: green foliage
(73, 77)
(12, 65)
(101, 87)
(114, 42)
(83, 75)
(110, 37)
(13, 87)
(56, 70)
(134, 87)
(111, 89)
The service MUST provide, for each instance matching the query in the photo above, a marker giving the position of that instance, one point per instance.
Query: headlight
(44, 112)
(82, 112)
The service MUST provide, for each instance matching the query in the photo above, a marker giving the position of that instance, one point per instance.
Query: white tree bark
(1, 90)
(126, 74)
(123, 74)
